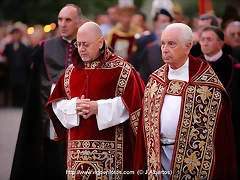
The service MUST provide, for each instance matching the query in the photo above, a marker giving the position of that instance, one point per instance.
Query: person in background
(17, 58)
(121, 37)
(38, 154)
(233, 33)
(92, 107)
(186, 117)
(228, 71)
(163, 15)
(113, 17)
(140, 19)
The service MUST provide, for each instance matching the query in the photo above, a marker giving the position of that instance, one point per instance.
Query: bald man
(38, 155)
(186, 117)
(96, 107)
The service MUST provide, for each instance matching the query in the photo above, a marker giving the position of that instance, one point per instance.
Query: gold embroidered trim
(194, 149)
(115, 63)
(159, 73)
(134, 118)
(152, 102)
(175, 87)
(209, 77)
(67, 75)
(98, 155)
(123, 78)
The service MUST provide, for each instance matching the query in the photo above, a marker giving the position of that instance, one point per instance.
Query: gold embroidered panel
(86, 158)
(152, 103)
(123, 79)
(175, 87)
(209, 77)
(67, 75)
(194, 148)
(134, 118)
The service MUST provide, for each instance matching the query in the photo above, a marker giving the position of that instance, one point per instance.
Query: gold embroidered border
(175, 87)
(194, 149)
(209, 77)
(99, 155)
(123, 79)
(151, 105)
(134, 118)
(67, 75)
(114, 63)
(159, 73)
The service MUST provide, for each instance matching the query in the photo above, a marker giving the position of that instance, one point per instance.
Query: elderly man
(233, 33)
(96, 107)
(186, 117)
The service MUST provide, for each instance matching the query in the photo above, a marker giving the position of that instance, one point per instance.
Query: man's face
(210, 45)
(137, 19)
(68, 22)
(204, 23)
(234, 36)
(90, 45)
(162, 19)
(125, 18)
(112, 15)
(173, 52)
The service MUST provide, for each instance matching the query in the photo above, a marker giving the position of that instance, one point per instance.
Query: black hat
(162, 11)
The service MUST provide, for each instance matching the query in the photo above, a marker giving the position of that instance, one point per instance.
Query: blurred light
(53, 26)
(47, 28)
(30, 30)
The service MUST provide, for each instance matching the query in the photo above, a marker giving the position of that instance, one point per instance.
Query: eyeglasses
(78, 44)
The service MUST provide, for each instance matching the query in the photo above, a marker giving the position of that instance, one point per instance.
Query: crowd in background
(16, 44)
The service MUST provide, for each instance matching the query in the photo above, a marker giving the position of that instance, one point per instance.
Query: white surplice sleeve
(111, 112)
(66, 112)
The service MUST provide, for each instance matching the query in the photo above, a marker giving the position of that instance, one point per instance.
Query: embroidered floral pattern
(175, 87)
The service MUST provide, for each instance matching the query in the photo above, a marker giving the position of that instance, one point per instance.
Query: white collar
(181, 73)
(69, 41)
(214, 57)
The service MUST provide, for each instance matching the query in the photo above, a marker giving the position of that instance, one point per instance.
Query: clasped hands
(86, 107)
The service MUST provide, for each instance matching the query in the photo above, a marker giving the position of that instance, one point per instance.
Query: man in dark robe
(96, 106)
(37, 155)
(17, 59)
(186, 117)
(228, 71)
(143, 41)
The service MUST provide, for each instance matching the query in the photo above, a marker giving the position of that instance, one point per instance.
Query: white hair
(232, 24)
(186, 34)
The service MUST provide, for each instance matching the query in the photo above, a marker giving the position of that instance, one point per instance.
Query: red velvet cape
(204, 146)
(88, 148)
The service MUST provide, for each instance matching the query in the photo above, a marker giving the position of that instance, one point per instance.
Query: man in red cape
(106, 92)
(186, 130)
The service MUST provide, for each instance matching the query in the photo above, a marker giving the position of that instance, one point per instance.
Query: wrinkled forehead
(234, 29)
(170, 35)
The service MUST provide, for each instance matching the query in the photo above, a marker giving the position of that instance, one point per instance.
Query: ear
(80, 23)
(221, 44)
(101, 42)
(188, 47)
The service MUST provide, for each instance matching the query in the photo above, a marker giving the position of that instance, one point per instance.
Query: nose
(164, 49)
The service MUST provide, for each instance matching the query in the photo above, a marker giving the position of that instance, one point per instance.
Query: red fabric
(130, 39)
(224, 161)
(100, 83)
